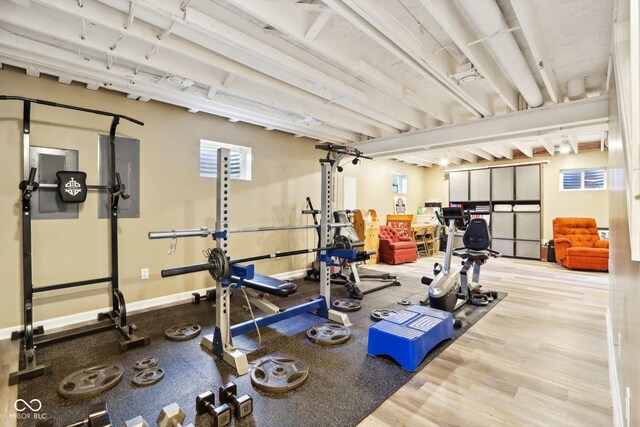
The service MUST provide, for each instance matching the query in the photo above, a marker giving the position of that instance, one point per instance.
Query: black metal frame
(116, 317)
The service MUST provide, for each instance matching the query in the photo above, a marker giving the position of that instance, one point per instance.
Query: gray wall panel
(459, 186)
(502, 184)
(480, 184)
(528, 225)
(502, 225)
(528, 182)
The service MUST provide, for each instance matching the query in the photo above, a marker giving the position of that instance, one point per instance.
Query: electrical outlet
(627, 406)
(144, 274)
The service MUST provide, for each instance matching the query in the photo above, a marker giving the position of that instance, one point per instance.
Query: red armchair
(578, 245)
(395, 249)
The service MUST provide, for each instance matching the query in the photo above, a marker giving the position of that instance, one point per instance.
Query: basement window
(399, 184)
(583, 179)
(240, 166)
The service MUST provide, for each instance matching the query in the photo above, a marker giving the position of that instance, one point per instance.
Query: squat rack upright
(116, 318)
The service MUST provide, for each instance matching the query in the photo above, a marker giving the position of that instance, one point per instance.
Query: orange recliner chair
(394, 248)
(578, 245)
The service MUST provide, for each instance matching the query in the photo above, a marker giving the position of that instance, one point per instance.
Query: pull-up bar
(69, 107)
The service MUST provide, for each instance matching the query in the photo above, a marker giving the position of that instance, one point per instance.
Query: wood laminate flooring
(538, 358)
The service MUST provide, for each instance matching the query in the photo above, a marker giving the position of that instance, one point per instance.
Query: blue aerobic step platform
(409, 335)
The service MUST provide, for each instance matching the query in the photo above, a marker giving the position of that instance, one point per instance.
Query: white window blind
(240, 165)
(583, 179)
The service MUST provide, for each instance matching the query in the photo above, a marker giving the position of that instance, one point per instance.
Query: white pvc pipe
(487, 19)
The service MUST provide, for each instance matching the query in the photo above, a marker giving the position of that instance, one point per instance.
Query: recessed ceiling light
(565, 149)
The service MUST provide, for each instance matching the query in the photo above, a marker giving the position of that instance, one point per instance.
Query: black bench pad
(269, 285)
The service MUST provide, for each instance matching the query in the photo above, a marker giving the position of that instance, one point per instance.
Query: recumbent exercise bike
(450, 288)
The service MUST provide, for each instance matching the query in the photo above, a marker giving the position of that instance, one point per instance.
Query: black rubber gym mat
(344, 385)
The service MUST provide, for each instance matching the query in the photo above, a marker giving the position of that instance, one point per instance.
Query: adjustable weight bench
(269, 285)
(258, 289)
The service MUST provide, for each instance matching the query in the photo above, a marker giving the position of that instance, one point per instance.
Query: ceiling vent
(467, 74)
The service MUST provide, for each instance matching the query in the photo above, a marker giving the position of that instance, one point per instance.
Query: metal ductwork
(486, 17)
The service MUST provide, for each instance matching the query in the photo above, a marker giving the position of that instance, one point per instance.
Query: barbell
(204, 231)
(219, 266)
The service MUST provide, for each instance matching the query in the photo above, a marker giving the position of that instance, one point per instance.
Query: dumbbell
(98, 417)
(136, 422)
(205, 404)
(242, 406)
(171, 416)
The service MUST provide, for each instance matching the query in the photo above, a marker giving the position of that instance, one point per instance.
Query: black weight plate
(149, 377)
(183, 332)
(89, 382)
(329, 334)
(146, 363)
(346, 305)
(382, 313)
(278, 374)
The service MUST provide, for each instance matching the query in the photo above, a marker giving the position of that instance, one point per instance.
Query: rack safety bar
(72, 284)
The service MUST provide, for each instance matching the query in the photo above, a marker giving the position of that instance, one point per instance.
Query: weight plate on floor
(89, 382)
(382, 313)
(183, 332)
(345, 304)
(146, 363)
(404, 302)
(278, 374)
(329, 334)
(149, 377)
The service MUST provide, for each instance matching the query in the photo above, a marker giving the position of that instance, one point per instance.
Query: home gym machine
(233, 274)
(72, 189)
(352, 279)
(450, 288)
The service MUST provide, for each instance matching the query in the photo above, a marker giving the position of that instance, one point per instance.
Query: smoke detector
(467, 74)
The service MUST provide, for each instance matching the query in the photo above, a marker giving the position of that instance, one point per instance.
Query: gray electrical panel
(128, 166)
(46, 203)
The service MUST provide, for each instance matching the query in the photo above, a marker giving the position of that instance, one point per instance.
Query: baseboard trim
(613, 376)
(86, 317)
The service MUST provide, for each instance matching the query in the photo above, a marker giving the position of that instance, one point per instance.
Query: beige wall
(555, 203)
(373, 185)
(285, 171)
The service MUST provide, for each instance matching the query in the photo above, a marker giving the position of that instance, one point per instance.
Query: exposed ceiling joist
(293, 22)
(478, 151)
(573, 143)
(449, 18)
(590, 111)
(500, 150)
(524, 148)
(548, 145)
(529, 25)
(467, 155)
(18, 51)
(199, 65)
(389, 25)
